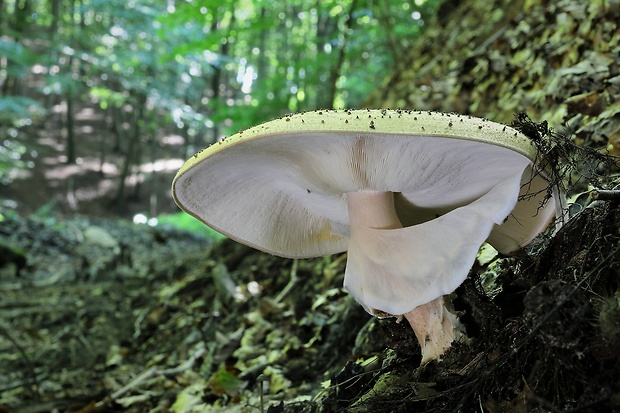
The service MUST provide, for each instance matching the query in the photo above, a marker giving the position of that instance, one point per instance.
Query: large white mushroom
(410, 195)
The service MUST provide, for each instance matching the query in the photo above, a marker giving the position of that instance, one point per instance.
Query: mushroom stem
(374, 209)
(434, 326)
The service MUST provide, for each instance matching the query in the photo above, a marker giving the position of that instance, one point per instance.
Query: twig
(27, 382)
(151, 373)
(261, 379)
(33, 380)
(606, 194)
(518, 346)
(291, 283)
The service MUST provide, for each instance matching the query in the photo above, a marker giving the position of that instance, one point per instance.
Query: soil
(110, 316)
(89, 186)
(101, 315)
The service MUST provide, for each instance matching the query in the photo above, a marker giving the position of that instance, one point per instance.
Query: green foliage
(46, 214)
(282, 56)
(11, 153)
(8, 215)
(15, 112)
(18, 110)
(107, 97)
(199, 70)
(224, 64)
(186, 222)
(20, 57)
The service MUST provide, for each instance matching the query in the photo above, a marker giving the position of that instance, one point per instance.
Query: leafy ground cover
(156, 320)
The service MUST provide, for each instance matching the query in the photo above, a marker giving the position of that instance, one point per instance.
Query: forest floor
(100, 315)
(107, 316)
(89, 186)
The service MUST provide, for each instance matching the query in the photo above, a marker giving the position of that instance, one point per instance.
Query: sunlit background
(103, 100)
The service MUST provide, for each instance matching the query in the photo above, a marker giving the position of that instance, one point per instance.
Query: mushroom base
(435, 327)
(381, 251)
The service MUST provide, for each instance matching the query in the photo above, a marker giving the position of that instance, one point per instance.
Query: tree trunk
(70, 89)
(117, 127)
(20, 23)
(261, 65)
(2, 14)
(337, 68)
(55, 6)
(70, 125)
(326, 29)
(219, 80)
(131, 152)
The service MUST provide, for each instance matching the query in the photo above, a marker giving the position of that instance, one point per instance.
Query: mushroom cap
(280, 186)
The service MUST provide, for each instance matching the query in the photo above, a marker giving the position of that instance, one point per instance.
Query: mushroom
(410, 195)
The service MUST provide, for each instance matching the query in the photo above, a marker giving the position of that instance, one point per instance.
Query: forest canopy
(198, 70)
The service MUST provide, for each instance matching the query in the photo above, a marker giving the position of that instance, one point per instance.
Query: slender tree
(337, 66)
